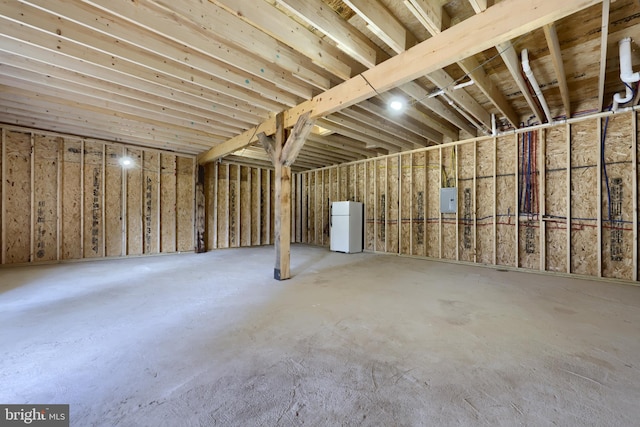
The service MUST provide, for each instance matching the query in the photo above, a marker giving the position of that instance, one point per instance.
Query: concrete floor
(362, 339)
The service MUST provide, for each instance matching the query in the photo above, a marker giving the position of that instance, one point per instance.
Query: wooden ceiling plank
(479, 5)
(435, 20)
(40, 102)
(318, 14)
(445, 82)
(170, 41)
(205, 99)
(512, 61)
(217, 24)
(385, 126)
(430, 14)
(604, 35)
(498, 24)
(382, 23)
(558, 65)
(341, 143)
(368, 140)
(111, 53)
(25, 80)
(423, 97)
(83, 75)
(370, 130)
(474, 69)
(271, 21)
(401, 120)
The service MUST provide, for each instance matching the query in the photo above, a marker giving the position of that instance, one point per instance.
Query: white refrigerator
(346, 227)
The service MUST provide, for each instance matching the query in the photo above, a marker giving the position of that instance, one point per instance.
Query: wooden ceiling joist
(558, 65)
(498, 24)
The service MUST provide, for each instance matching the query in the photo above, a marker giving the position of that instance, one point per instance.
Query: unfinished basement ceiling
(188, 75)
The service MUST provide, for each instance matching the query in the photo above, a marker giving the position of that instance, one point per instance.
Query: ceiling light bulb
(396, 105)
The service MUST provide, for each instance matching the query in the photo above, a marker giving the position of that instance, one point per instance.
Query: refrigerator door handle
(330, 215)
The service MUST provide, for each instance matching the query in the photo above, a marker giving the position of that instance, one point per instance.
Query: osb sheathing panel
(506, 200)
(304, 203)
(584, 203)
(265, 200)
(419, 199)
(223, 206)
(485, 198)
(113, 201)
(168, 203)
(343, 185)
(254, 177)
(17, 197)
(361, 185)
(185, 203)
(432, 203)
(272, 205)
(352, 182)
(151, 182)
(371, 206)
(46, 197)
(449, 219)
(529, 229)
(405, 204)
(234, 206)
(617, 232)
(329, 179)
(93, 189)
(134, 203)
(311, 203)
(556, 199)
(393, 174)
(466, 190)
(210, 193)
(245, 206)
(71, 199)
(381, 204)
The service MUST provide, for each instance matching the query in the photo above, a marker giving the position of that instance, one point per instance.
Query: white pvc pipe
(626, 74)
(534, 84)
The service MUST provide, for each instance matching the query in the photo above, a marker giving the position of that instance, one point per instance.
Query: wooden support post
(215, 206)
(3, 204)
(239, 206)
(315, 207)
(124, 206)
(411, 202)
(200, 225)
(454, 153)
(228, 213)
(634, 190)
(495, 202)
(542, 166)
(32, 214)
(399, 185)
(322, 200)
(283, 153)
(158, 207)
(103, 207)
(568, 209)
(517, 208)
(475, 217)
(82, 150)
(440, 204)
(599, 196)
(58, 201)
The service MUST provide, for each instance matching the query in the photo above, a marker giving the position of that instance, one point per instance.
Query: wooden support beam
(429, 13)
(382, 23)
(556, 57)
(604, 36)
(512, 61)
(479, 5)
(568, 198)
(498, 24)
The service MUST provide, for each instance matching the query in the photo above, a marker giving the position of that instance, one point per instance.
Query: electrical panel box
(449, 200)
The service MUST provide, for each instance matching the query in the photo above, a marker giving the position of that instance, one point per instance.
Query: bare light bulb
(396, 105)
(126, 162)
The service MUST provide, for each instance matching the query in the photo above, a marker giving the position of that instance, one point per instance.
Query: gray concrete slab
(361, 339)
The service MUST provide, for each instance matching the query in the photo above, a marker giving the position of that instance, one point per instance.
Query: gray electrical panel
(449, 200)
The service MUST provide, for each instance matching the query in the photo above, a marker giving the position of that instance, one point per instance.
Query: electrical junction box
(449, 200)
